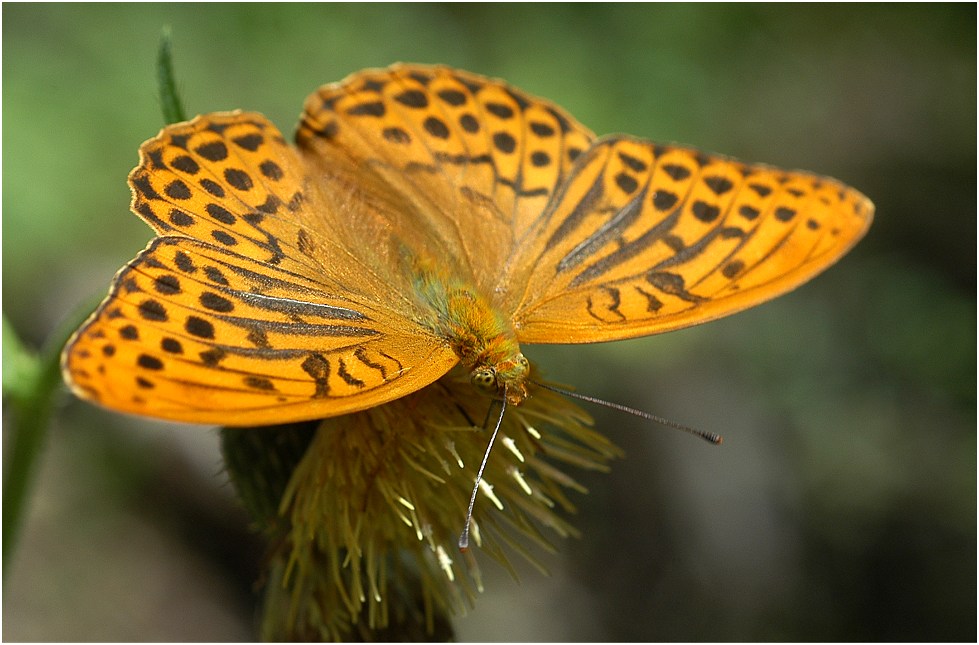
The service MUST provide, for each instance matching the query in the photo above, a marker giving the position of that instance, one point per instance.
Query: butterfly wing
(246, 311)
(471, 163)
(579, 241)
(279, 290)
(643, 239)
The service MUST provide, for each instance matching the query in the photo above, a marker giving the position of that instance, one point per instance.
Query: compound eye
(484, 378)
(524, 363)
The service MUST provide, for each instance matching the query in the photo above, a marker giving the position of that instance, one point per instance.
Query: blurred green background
(842, 505)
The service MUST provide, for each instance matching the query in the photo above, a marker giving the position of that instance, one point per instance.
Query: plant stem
(31, 405)
(173, 110)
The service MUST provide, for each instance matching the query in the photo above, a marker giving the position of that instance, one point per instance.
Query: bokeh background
(842, 505)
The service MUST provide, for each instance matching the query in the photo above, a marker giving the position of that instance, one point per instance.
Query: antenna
(709, 437)
(464, 537)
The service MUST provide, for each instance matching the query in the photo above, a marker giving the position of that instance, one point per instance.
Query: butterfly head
(505, 377)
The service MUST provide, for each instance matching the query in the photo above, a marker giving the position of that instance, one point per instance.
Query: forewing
(644, 238)
(192, 332)
(250, 310)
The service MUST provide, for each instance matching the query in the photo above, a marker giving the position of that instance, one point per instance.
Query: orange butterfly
(428, 217)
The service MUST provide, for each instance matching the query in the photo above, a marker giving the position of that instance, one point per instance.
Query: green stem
(31, 405)
(173, 110)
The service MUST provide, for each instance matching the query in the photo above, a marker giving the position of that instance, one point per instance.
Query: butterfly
(426, 217)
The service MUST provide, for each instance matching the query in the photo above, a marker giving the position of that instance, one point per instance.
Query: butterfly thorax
(476, 331)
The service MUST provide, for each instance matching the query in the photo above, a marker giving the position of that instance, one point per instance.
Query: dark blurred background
(842, 505)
